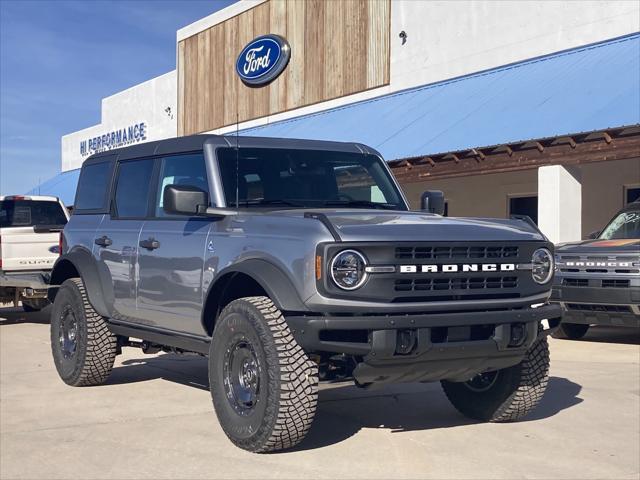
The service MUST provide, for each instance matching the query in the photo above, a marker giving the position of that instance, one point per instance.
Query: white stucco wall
(448, 39)
(144, 103)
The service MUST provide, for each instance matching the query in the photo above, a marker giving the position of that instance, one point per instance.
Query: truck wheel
(34, 305)
(573, 331)
(503, 395)
(83, 347)
(263, 385)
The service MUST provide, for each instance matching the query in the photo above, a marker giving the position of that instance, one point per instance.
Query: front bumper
(444, 347)
(599, 306)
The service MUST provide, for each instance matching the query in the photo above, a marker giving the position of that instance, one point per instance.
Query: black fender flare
(271, 278)
(96, 278)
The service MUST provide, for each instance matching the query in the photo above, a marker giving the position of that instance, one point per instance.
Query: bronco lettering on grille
(453, 268)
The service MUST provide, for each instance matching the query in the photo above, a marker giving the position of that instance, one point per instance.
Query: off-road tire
(515, 392)
(288, 379)
(34, 305)
(571, 331)
(95, 351)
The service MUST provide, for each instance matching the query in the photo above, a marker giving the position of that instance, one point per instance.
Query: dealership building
(508, 107)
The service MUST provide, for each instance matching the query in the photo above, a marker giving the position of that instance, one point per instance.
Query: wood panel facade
(338, 48)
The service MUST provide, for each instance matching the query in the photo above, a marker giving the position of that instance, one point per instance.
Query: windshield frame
(629, 209)
(402, 202)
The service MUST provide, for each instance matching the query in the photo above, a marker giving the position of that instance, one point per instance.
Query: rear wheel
(572, 331)
(83, 347)
(263, 385)
(504, 395)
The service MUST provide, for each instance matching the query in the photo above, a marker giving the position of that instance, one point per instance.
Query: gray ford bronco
(288, 262)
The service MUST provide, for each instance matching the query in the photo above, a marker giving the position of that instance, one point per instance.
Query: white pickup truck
(30, 229)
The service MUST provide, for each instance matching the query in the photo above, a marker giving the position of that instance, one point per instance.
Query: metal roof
(585, 89)
(62, 186)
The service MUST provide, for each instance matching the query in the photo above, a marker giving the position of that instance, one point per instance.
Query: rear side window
(29, 213)
(92, 187)
(132, 188)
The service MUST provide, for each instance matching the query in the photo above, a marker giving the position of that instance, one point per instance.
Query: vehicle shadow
(343, 409)
(606, 334)
(15, 315)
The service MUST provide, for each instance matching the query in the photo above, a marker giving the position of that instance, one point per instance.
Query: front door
(170, 257)
(116, 239)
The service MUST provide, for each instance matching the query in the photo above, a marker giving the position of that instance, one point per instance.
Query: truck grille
(626, 264)
(575, 282)
(439, 284)
(455, 252)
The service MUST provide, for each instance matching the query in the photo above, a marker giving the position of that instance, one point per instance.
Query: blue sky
(58, 59)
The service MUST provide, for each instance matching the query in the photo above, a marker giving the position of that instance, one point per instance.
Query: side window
(132, 188)
(180, 170)
(92, 187)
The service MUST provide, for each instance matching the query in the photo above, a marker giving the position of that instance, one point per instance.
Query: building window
(525, 205)
(631, 194)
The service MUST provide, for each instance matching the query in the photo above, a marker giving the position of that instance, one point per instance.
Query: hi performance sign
(114, 139)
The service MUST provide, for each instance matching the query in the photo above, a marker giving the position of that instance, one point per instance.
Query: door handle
(150, 244)
(103, 241)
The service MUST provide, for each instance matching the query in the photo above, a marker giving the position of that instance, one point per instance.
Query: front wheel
(263, 385)
(503, 395)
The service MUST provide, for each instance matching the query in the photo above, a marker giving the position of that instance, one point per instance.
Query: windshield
(29, 213)
(625, 225)
(269, 177)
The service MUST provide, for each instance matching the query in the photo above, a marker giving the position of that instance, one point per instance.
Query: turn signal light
(318, 267)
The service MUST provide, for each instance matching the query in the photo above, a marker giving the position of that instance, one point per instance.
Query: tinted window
(132, 188)
(306, 178)
(632, 194)
(181, 170)
(524, 206)
(92, 187)
(27, 213)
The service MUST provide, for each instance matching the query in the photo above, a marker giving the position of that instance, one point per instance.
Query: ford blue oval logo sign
(262, 60)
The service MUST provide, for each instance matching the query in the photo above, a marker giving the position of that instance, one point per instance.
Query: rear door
(116, 239)
(170, 257)
(29, 233)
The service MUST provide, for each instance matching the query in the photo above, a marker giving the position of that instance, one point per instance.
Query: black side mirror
(432, 201)
(184, 200)
(594, 235)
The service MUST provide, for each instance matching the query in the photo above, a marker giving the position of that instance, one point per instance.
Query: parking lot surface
(154, 419)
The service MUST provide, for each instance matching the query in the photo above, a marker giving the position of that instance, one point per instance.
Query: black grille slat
(587, 307)
(616, 283)
(456, 252)
(575, 282)
(457, 283)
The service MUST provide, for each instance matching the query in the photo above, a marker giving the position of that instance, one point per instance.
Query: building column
(560, 203)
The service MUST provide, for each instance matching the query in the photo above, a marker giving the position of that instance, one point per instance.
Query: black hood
(630, 245)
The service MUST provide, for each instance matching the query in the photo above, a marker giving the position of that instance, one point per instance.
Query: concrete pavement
(154, 419)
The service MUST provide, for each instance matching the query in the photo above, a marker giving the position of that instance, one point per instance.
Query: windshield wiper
(360, 203)
(261, 202)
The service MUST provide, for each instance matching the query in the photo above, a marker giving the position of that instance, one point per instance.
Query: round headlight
(542, 265)
(347, 269)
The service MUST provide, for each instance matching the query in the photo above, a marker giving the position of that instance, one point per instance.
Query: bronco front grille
(470, 283)
(456, 252)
